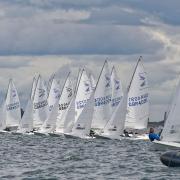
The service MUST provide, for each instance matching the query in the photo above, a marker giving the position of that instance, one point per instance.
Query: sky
(47, 36)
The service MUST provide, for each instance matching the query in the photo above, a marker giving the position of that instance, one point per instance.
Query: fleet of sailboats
(76, 110)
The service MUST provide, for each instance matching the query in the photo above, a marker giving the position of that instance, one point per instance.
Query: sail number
(138, 100)
(102, 100)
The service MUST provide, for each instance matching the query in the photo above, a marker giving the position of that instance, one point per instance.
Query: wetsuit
(153, 136)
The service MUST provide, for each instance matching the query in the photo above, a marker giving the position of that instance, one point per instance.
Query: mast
(134, 72)
(100, 74)
(77, 81)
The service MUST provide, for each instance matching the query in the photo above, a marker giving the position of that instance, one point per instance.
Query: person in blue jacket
(153, 136)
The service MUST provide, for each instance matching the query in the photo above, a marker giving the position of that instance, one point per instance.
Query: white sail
(82, 126)
(50, 123)
(83, 93)
(138, 99)
(13, 110)
(117, 92)
(34, 83)
(115, 125)
(171, 130)
(69, 117)
(102, 109)
(54, 94)
(64, 101)
(26, 124)
(3, 117)
(40, 104)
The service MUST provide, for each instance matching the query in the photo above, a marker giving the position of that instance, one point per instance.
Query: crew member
(153, 136)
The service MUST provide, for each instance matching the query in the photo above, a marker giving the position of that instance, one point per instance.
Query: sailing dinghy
(11, 111)
(40, 104)
(26, 123)
(170, 136)
(138, 102)
(53, 102)
(64, 102)
(102, 108)
(84, 107)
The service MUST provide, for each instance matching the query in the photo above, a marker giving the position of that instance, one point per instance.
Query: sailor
(92, 133)
(153, 136)
(126, 134)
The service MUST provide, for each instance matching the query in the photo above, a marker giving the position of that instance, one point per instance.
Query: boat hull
(56, 134)
(164, 145)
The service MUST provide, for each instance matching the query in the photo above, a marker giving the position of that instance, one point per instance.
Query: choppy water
(35, 157)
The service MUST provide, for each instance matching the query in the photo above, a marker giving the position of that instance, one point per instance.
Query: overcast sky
(46, 36)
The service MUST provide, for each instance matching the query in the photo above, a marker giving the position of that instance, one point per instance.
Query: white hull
(74, 136)
(164, 145)
(144, 137)
(56, 134)
(110, 137)
(4, 132)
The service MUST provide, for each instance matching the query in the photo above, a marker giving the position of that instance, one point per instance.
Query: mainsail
(171, 130)
(83, 93)
(82, 126)
(64, 101)
(115, 125)
(54, 94)
(117, 92)
(3, 116)
(12, 103)
(103, 91)
(138, 99)
(26, 124)
(69, 117)
(40, 104)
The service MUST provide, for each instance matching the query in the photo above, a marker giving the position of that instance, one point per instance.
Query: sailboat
(40, 104)
(84, 107)
(26, 123)
(11, 108)
(103, 91)
(170, 136)
(64, 101)
(53, 102)
(138, 101)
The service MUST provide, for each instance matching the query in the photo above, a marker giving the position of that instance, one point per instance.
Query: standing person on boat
(153, 136)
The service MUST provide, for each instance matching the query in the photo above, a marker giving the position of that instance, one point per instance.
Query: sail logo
(108, 81)
(13, 93)
(56, 92)
(117, 84)
(87, 87)
(69, 90)
(142, 79)
(41, 92)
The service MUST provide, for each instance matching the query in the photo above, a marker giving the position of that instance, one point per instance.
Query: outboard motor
(171, 159)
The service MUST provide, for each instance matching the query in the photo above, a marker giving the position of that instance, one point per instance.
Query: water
(35, 157)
